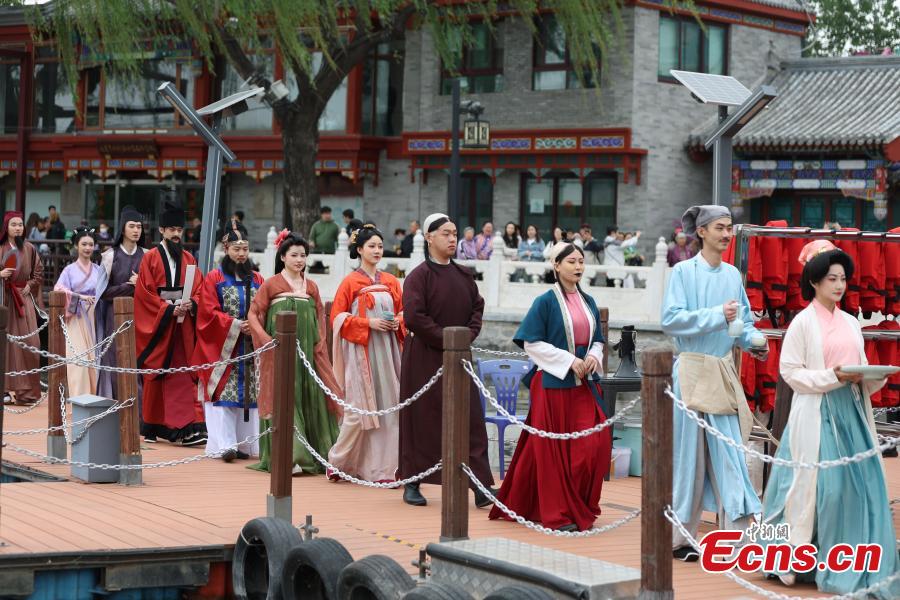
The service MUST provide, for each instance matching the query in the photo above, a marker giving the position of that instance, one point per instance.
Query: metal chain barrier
(66, 360)
(108, 340)
(88, 421)
(794, 464)
(84, 363)
(169, 463)
(42, 314)
(467, 366)
(496, 352)
(886, 409)
(373, 413)
(27, 409)
(363, 482)
(537, 526)
(863, 593)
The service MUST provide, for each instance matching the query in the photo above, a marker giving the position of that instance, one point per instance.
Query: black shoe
(412, 495)
(242, 455)
(229, 455)
(571, 527)
(481, 500)
(686, 553)
(890, 452)
(150, 439)
(194, 440)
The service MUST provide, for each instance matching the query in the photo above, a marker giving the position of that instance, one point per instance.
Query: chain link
(497, 352)
(886, 409)
(108, 340)
(373, 413)
(62, 360)
(88, 421)
(43, 315)
(169, 463)
(794, 464)
(537, 526)
(670, 515)
(467, 366)
(392, 485)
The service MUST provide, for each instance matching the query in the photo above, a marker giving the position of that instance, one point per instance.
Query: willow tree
(345, 32)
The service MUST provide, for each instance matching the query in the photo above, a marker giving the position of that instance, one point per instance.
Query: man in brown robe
(20, 283)
(437, 294)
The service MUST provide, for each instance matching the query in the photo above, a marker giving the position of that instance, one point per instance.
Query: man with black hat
(164, 333)
(224, 332)
(121, 262)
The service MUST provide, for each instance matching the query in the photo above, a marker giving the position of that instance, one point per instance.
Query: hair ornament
(282, 236)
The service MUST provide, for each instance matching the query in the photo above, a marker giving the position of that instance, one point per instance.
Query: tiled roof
(788, 4)
(850, 102)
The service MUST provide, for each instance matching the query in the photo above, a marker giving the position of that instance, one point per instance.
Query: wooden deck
(204, 504)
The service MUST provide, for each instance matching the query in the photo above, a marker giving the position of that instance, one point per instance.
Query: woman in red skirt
(558, 482)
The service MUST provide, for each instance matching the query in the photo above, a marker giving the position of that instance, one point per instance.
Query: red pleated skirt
(558, 482)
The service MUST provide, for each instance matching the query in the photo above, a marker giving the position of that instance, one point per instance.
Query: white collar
(125, 250)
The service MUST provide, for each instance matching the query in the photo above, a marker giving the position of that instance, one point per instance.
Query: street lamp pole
(454, 186)
(722, 165)
(211, 190)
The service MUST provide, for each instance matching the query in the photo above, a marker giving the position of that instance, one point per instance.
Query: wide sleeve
(397, 295)
(415, 312)
(745, 339)
(37, 273)
(64, 284)
(355, 329)
(533, 327)
(793, 362)
(323, 362)
(551, 359)
(475, 318)
(678, 320)
(215, 328)
(151, 314)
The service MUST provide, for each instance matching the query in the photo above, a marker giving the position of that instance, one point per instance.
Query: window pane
(258, 116)
(569, 204)
(480, 53)
(553, 42)
(92, 97)
(132, 102)
(334, 117)
(812, 212)
(54, 105)
(782, 209)
(549, 80)
(9, 96)
(538, 203)
(601, 209)
(715, 50)
(100, 203)
(668, 46)
(482, 84)
(690, 46)
(843, 210)
(869, 221)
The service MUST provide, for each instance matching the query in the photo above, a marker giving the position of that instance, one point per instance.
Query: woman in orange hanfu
(367, 317)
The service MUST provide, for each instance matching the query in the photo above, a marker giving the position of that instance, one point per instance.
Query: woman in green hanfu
(315, 417)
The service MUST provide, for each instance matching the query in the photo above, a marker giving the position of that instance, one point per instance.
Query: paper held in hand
(188, 286)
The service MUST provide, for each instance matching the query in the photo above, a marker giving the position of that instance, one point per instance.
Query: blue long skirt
(852, 505)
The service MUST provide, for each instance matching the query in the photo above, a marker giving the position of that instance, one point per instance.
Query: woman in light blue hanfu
(831, 418)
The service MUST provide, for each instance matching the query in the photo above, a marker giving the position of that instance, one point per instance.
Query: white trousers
(225, 427)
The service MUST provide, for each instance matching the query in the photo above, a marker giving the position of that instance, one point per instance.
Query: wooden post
(127, 387)
(604, 329)
(56, 344)
(656, 489)
(278, 503)
(3, 316)
(455, 435)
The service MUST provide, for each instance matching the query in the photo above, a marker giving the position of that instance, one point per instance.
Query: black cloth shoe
(482, 501)
(194, 440)
(412, 495)
(571, 527)
(229, 455)
(686, 553)
(890, 452)
(241, 455)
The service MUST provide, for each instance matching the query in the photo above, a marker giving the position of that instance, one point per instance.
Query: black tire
(519, 592)
(312, 569)
(375, 577)
(259, 553)
(434, 590)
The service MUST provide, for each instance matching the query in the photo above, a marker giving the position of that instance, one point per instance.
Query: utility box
(485, 565)
(99, 444)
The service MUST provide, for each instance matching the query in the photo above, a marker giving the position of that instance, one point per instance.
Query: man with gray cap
(706, 311)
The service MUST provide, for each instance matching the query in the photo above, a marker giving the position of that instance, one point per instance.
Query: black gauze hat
(129, 213)
(172, 213)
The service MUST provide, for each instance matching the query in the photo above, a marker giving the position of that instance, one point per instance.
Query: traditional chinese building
(563, 150)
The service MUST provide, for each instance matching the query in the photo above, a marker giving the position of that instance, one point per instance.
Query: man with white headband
(437, 294)
(705, 295)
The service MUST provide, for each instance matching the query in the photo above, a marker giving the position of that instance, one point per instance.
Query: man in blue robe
(703, 296)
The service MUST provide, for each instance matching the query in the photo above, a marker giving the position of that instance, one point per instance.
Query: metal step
(485, 565)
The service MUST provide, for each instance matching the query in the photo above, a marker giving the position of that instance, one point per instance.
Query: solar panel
(228, 101)
(713, 89)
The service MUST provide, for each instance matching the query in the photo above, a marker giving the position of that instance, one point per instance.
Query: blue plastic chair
(505, 375)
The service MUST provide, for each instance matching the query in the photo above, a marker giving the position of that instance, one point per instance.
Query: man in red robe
(223, 332)
(171, 405)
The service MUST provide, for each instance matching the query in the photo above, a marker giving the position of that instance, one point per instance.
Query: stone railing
(509, 287)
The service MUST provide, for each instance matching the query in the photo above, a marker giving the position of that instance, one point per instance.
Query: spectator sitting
(57, 229)
(37, 231)
(532, 247)
(511, 240)
(680, 251)
(103, 233)
(559, 234)
(483, 244)
(348, 220)
(399, 234)
(466, 250)
(406, 247)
